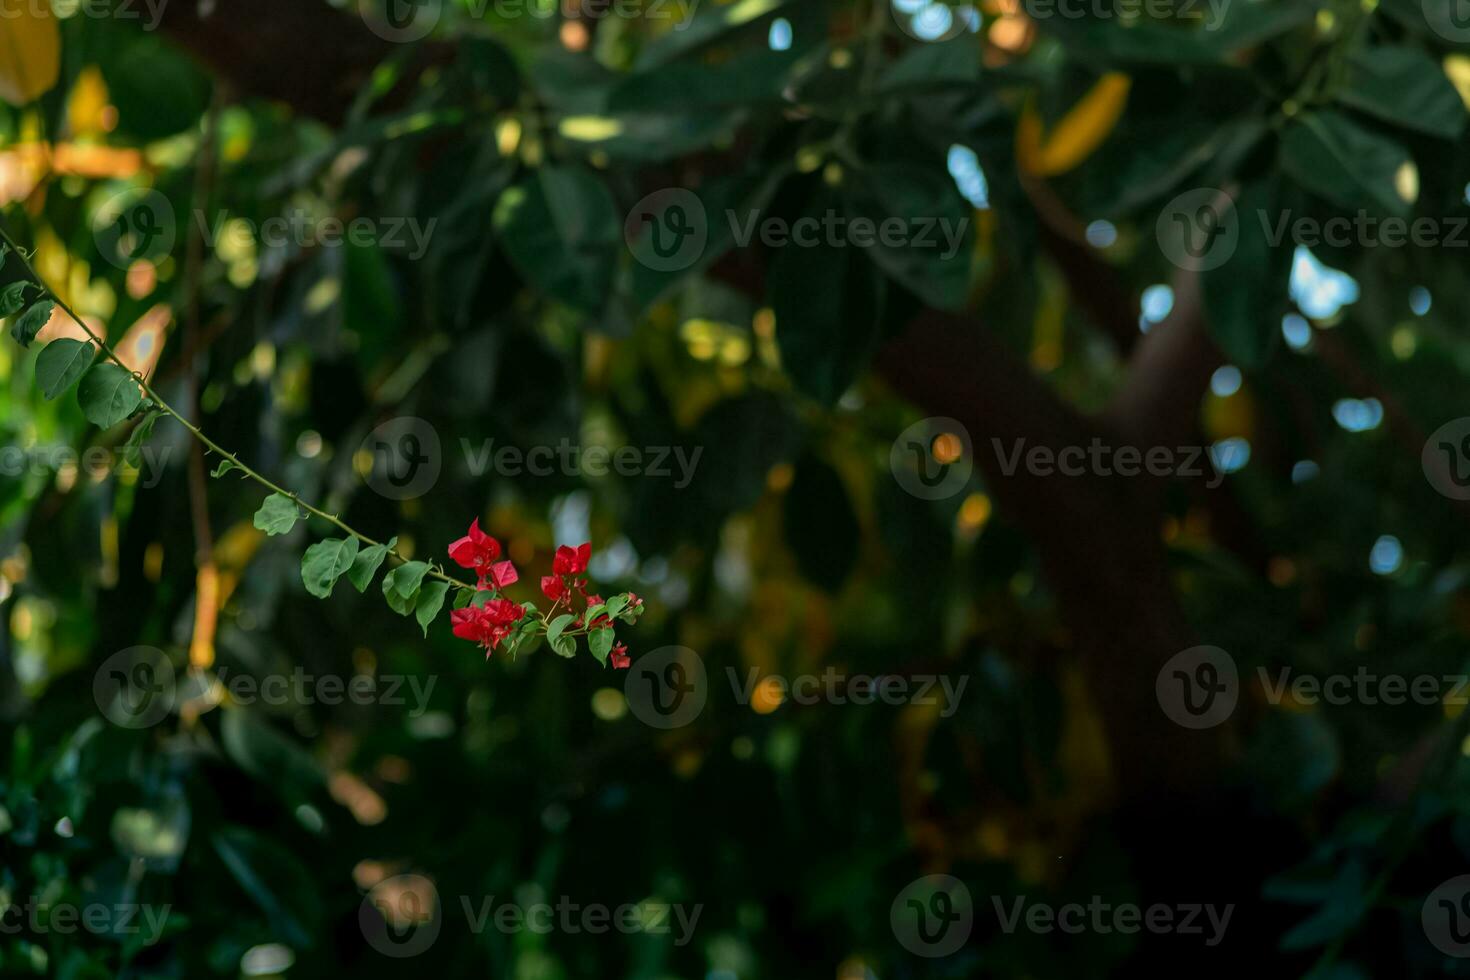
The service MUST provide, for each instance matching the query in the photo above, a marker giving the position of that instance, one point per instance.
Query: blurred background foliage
(527, 321)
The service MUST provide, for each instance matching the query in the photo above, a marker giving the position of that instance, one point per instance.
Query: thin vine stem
(164, 407)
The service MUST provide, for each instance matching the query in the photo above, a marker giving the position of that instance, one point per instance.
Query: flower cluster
(495, 622)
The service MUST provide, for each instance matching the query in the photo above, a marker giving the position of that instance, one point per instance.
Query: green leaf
(108, 395)
(275, 881)
(826, 335)
(325, 562)
(821, 525)
(564, 646)
(707, 23)
(13, 297)
(616, 605)
(225, 465)
(133, 451)
(683, 86)
(408, 576)
(431, 600)
(601, 644)
(1246, 297)
(561, 230)
(277, 515)
(1404, 86)
(934, 259)
(29, 323)
(1336, 158)
(1222, 32)
(400, 599)
(61, 363)
(941, 65)
(560, 623)
(368, 561)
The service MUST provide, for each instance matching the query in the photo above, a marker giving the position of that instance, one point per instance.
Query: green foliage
(29, 323)
(532, 319)
(278, 515)
(108, 395)
(325, 562)
(367, 563)
(61, 363)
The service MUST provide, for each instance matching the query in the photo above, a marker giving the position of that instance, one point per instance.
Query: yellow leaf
(1028, 140)
(206, 616)
(1079, 133)
(590, 129)
(30, 53)
(1457, 70)
(86, 108)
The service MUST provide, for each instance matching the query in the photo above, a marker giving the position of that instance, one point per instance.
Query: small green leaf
(325, 562)
(108, 395)
(369, 560)
(225, 465)
(61, 363)
(559, 624)
(616, 605)
(398, 601)
(408, 576)
(564, 646)
(431, 600)
(601, 643)
(13, 297)
(277, 515)
(133, 451)
(29, 323)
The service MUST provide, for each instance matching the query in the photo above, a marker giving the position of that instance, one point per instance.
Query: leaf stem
(195, 431)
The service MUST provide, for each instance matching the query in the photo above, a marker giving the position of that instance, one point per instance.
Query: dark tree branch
(1100, 545)
(310, 56)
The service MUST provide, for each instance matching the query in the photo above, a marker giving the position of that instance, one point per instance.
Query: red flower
(479, 551)
(553, 587)
(503, 612)
(487, 625)
(619, 657)
(502, 573)
(476, 550)
(571, 561)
